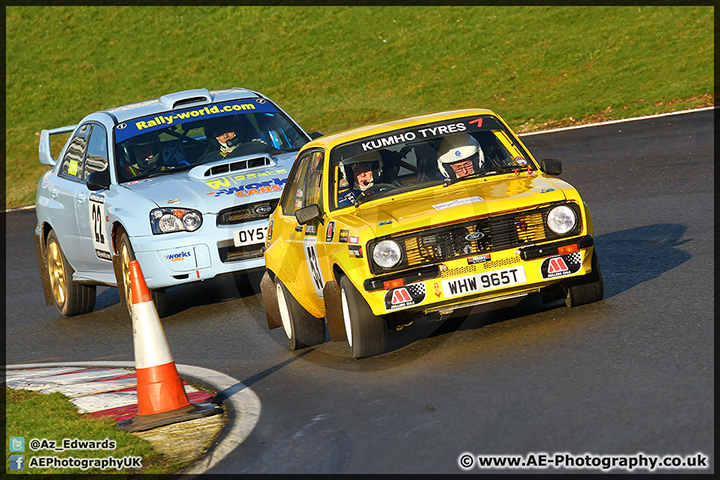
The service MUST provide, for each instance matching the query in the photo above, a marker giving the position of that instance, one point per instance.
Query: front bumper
(187, 257)
(480, 279)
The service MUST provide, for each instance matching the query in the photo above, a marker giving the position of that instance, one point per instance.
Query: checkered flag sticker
(574, 258)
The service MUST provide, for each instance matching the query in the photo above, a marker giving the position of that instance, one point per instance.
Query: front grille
(231, 253)
(478, 236)
(246, 213)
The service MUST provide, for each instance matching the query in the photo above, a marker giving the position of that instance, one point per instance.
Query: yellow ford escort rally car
(424, 217)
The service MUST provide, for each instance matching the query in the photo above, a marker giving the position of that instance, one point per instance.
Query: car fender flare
(588, 219)
(269, 297)
(333, 312)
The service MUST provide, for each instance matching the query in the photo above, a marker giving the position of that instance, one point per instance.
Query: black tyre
(366, 332)
(71, 298)
(301, 328)
(127, 255)
(591, 290)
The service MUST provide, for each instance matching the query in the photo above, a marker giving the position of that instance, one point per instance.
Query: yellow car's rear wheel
(71, 298)
(301, 328)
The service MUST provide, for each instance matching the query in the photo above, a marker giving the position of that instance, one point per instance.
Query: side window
(72, 162)
(295, 186)
(97, 152)
(314, 179)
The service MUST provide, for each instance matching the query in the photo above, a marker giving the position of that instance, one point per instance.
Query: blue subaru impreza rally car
(184, 184)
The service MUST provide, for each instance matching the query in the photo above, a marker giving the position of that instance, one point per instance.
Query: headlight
(561, 219)
(167, 220)
(387, 254)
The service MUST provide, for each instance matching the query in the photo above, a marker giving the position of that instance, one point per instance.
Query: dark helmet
(347, 168)
(224, 125)
(145, 149)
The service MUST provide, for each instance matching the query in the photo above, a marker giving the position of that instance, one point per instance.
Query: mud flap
(44, 274)
(333, 312)
(269, 297)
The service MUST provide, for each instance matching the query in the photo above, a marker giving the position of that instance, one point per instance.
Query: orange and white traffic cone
(160, 391)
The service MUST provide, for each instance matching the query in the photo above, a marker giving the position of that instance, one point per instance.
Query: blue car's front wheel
(127, 255)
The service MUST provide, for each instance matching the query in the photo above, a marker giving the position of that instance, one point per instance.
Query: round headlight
(192, 221)
(169, 223)
(561, 219)
(387, 254)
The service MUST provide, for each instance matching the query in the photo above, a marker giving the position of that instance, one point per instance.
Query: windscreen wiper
(484, 173)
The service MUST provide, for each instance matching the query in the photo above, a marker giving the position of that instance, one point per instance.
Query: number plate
(249, 236)
(483, 281)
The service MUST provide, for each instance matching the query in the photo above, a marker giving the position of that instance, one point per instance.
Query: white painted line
(610, 122)
(92, 388)
(106, 401)
(40, 372)
(239, 399)
(40, 383)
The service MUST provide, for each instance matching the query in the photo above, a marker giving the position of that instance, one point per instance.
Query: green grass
(34, 415)
(333, 68)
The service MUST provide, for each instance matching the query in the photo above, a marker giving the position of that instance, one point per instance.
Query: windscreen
(422, 156)
(181, 139)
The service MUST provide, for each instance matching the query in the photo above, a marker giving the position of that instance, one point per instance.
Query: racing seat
(173, 154)
(426, 164)
(493, 154)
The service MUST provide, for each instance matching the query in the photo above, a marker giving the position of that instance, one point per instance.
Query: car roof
(178, 100)
(329, 141)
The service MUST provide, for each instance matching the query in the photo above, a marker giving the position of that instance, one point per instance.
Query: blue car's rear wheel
(71, 298)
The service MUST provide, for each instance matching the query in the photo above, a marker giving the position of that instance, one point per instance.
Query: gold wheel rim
(125, 254)
(56, 269)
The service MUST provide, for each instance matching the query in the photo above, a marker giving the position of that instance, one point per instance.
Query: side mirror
(307, 214)
(551, 166)
(315, 135)
(99, 180)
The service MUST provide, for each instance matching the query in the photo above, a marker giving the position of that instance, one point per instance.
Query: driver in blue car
(226, 136)
(143, 155)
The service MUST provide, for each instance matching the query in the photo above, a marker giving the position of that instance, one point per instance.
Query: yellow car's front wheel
(71, 298)
(366, 332)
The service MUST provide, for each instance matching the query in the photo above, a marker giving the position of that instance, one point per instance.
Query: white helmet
(347, 168)
(457, 148)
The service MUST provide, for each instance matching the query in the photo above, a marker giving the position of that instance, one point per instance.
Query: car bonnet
(211, 193)
(437, 205)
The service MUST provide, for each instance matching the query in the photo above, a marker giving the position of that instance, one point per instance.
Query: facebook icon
(17, 462)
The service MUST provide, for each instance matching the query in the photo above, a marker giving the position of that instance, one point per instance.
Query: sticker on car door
(98, 224)
(311, 257)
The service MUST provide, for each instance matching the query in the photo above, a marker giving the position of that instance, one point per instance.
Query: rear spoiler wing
(46, 157)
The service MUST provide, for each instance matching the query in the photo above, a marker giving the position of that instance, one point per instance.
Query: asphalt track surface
(632, 374)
